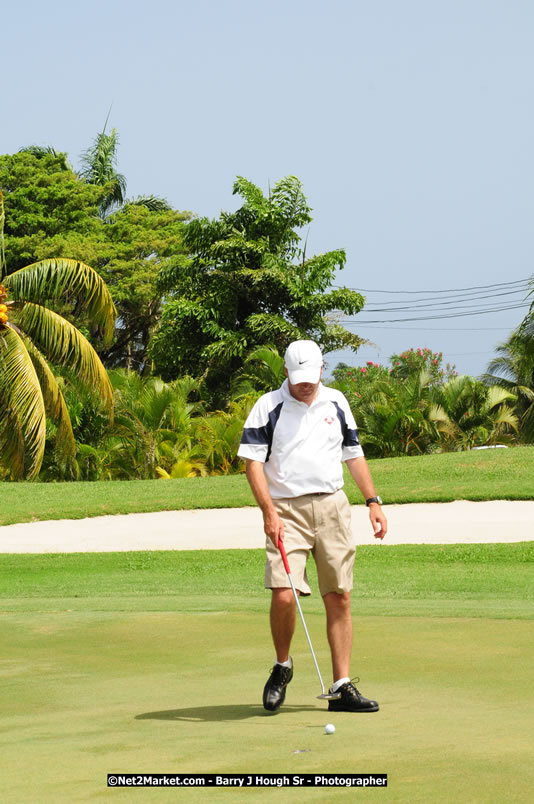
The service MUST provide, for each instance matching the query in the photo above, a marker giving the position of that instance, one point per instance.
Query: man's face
(304, 391)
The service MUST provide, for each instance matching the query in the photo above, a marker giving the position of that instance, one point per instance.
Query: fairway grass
(442, 580)
(499, 474)
(155, 662)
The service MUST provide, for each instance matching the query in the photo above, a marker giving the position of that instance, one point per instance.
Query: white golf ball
(329, 728)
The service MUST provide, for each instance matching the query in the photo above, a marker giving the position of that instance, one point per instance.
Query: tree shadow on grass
(204, 714)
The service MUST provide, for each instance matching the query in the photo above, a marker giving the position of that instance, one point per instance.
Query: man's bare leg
(339, 632)
(283, 619)
(282, 628)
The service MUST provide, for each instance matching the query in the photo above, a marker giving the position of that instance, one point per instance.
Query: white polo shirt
(302, 446)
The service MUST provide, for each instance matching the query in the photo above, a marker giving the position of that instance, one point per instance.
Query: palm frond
(98, 161)
(40, 151)
(55, 279)
(65, 345)
(505, 416)
(98, 167)
(2, 246)
(152, 202)
(497, 395)
(22, 409)
(55, 405)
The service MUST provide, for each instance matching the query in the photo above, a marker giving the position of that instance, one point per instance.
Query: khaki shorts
(320, 524)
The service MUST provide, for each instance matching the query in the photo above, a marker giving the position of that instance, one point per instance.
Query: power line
(434, 329)
(437, 317)
(442, 302)
(526, 281)
(469, 354)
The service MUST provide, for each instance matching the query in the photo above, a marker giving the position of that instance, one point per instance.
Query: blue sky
(410, 125)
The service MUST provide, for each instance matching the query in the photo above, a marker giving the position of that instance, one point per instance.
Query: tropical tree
(52, 210)
(42, 151)
(31, 334)
(263, 371)
(47, 207)
(409, 408)
(219, 435)
(152, 418)
(395, 417)
(98, 167)
(475, 414)
(413, 361)
(513, 369)
(184, 458)
(364, 383)
(249, 283)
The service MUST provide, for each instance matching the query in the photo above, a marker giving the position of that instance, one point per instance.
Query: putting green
(86, 693)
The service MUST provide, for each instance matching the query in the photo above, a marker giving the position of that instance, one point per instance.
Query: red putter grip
(284, 557)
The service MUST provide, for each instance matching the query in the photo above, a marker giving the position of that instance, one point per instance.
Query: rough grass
(479, 475)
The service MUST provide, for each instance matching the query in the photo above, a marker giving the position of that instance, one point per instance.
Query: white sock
(337, 684)
(289, 663)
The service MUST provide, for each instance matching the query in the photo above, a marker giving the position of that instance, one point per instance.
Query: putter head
(330, 696)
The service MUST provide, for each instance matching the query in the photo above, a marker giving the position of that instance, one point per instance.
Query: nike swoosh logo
(302, 361)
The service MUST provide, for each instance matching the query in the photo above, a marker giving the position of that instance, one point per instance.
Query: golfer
(294, 442)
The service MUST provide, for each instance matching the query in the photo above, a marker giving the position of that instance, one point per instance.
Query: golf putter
(329, 696)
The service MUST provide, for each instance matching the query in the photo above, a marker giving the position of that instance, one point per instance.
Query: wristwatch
(374, 499)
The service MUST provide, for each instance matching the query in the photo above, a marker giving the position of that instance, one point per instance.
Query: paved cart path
(214, 529)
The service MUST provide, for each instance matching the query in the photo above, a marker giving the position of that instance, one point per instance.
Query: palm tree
(219, 435)
(263, 371)
(513, 369)
(397, 417)
(475, 414)
(98, 167)
(153, 418)
(31, 334)
(184, 458)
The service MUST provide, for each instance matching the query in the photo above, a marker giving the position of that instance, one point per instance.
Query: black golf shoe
(274, 692)
(351, 700)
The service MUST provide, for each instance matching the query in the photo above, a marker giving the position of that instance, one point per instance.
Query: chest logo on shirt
(329, 419)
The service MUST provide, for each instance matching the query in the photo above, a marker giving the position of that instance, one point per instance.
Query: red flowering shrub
(413, 361)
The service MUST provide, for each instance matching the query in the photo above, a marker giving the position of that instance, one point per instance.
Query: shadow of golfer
(204, 714)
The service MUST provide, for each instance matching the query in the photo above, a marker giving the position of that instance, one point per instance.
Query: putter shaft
(327, 695)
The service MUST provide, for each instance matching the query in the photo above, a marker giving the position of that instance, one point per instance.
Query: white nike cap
(303, 361)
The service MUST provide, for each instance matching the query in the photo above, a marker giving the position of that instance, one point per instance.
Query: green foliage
(263, 371)
(52, 210)
(475, 415)
(136, 244)
(44, 200)
(413, 361)
(513, 369)
(151, 418)
(526, 327)
(160, 430)
(30, 334)
(248, 284)
(219, 436)
(98, 167)
(397, 417)
(41, 151)
(409, 408)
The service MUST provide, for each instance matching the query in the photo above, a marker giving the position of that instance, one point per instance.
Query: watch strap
(373, 500)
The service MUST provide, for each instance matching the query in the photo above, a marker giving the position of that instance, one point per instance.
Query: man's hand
(378, 520)
(362, 477)
(272, 524)
(273, 527)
